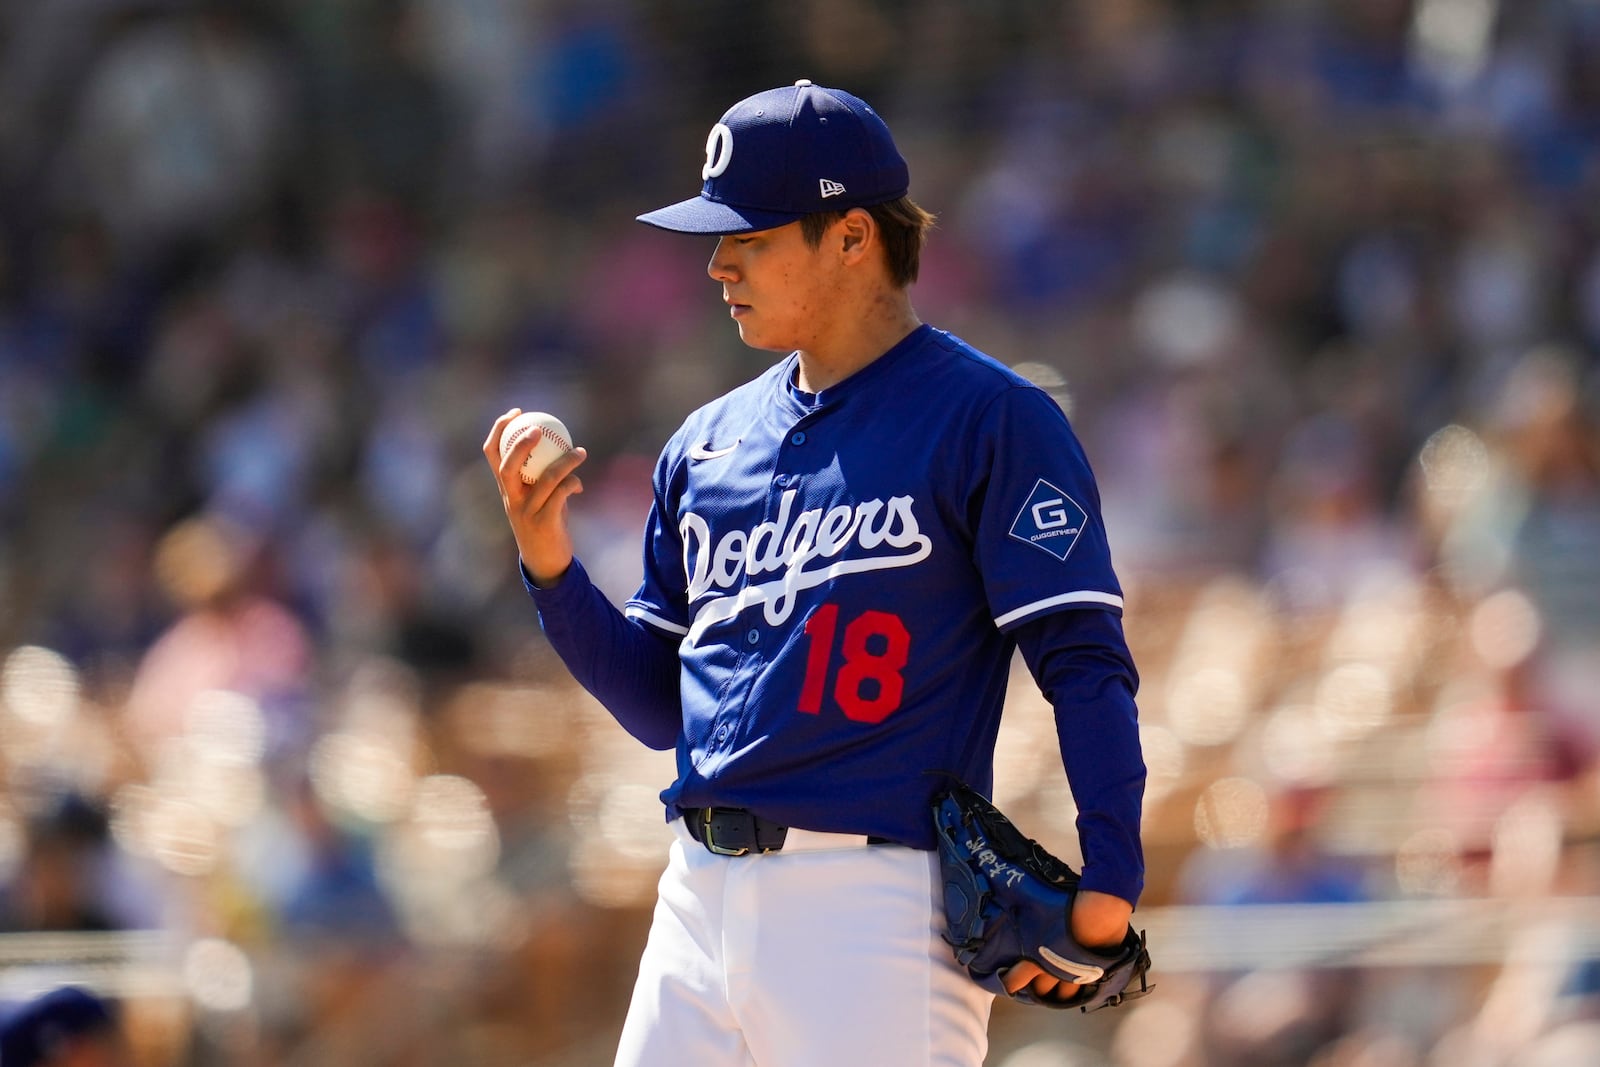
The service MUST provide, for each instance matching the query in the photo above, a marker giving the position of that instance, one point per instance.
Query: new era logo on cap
(786, 153)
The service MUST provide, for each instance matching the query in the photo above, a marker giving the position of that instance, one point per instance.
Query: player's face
(779, 290)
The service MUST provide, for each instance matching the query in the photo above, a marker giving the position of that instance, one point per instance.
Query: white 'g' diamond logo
(1049, 520)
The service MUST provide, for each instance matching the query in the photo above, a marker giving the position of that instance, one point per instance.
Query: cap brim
(699, 215)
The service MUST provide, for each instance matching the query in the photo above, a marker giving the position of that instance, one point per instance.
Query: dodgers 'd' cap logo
(1050, 521)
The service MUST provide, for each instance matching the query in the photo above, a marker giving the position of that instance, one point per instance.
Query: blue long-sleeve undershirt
(1080, 660)
(629, 667)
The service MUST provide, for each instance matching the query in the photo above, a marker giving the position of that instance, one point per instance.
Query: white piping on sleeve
(633, 611)
(1110, 600)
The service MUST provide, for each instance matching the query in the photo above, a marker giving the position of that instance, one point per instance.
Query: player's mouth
(737, 310)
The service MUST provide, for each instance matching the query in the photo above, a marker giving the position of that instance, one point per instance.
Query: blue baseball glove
(1007, 899)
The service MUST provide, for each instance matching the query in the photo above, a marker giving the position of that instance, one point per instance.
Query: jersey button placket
(751, 639)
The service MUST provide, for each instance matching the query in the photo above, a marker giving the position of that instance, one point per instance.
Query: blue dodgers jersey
(842, 570)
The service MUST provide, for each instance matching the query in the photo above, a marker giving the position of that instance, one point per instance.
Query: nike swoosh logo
(702, 452)
(1083, 972)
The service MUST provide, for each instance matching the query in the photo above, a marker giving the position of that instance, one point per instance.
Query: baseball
(552, 444)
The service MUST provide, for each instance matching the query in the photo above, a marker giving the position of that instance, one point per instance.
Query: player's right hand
(537, 511)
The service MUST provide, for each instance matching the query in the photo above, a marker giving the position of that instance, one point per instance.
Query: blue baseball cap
(785, 153)
(41, 1029)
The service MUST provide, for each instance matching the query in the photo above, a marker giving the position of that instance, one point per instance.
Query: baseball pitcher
(842, 558)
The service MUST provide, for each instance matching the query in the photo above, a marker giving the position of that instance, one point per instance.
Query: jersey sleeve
(1041, 544)
(662, 600)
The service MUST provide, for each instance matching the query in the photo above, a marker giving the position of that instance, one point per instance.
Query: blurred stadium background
(285, 764)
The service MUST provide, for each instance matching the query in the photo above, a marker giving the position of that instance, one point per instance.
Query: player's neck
(860, 340)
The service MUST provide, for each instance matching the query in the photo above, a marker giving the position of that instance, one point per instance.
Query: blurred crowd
(1318, 282)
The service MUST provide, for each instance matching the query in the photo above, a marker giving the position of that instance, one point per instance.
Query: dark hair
(902, 224)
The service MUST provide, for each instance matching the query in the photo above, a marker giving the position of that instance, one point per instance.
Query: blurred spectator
(382, 115)
(183, 125)
(1552, 444)
(108, 617)
(1291, 865)
(336, 902)
(1284, 1015)
(66, 1027)
(66, 877)
(229, 636)
(1533, 522)
(1190, 442)
(1506, 737)
(1329, 532)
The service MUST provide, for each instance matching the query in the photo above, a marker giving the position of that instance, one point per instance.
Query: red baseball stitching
(522, 431)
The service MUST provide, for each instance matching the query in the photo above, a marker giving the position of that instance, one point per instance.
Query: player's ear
(857, 233)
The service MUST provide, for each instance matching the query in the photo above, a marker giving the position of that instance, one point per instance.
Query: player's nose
(721, 267)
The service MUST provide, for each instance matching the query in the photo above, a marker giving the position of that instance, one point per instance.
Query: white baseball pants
(826, 954)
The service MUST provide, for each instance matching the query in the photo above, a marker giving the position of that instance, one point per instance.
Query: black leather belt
(734, 831)
(738, 832)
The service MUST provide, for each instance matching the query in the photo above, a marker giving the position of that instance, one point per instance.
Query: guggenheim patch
(1050, 521)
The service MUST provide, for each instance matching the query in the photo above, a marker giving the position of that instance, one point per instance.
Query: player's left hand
(1099, 921)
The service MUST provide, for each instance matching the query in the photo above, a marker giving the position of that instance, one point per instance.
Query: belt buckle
(710, 841)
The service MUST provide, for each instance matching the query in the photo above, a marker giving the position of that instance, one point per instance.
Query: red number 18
(868, 685)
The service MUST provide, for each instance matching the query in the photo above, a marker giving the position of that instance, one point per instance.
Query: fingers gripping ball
(554, 443)
(1007, 900)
